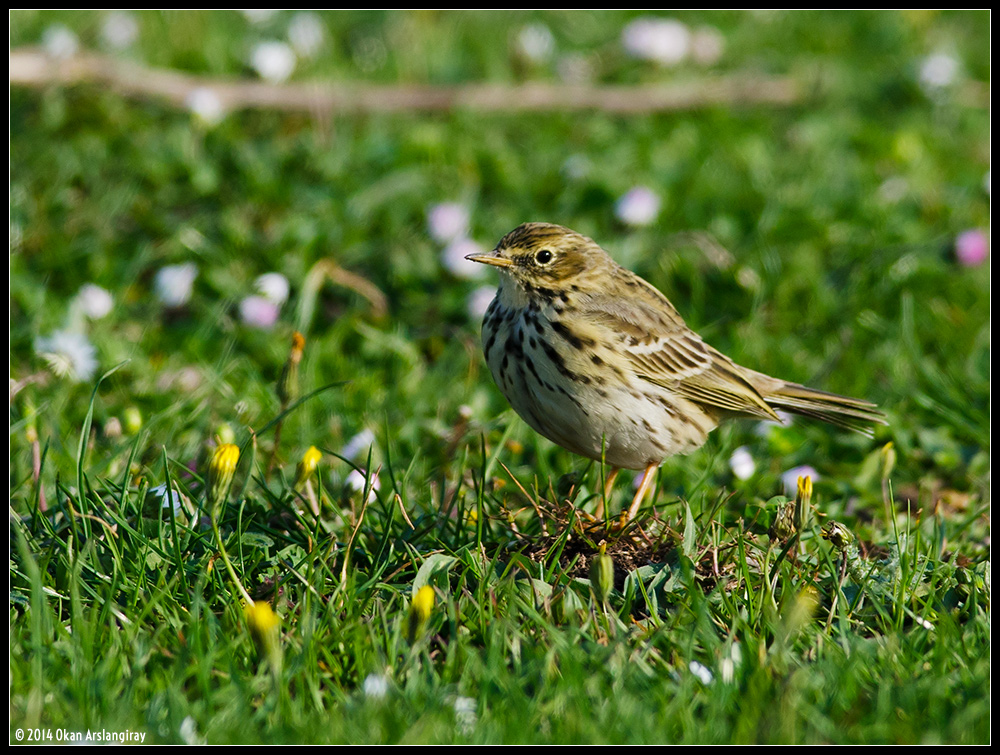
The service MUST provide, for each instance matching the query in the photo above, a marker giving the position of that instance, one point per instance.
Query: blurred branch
(31, 67)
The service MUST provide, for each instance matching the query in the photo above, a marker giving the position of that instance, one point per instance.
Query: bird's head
(545, 257)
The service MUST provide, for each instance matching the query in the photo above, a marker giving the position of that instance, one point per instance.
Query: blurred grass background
(840, 240)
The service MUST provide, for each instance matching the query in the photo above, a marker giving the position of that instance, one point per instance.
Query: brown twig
(31, 67)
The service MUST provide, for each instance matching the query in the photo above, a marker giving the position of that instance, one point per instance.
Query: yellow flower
(265, 628)
(802, 500)
(220, 475)
(307, 467)
(420, 610)
(805, 490)
(261, 619)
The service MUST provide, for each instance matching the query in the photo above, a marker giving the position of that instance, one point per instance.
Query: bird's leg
(609, 483)
(640, 494)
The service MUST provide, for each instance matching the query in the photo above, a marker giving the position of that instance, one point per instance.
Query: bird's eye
(543, 257)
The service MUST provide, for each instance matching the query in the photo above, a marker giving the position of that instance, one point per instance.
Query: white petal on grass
(356, 481)
(359, 443)
(274, 287)
(69, 354)
(306, 33)
(790, 479)
(479, 301)
(169, 496)
(273, 61)
(465, 715)
(536, 43)
(188, 732)
(938, 71)
(259, 312)
(120, 30)
(173, 284)
(205, 105)
(59, 42)
(447, 222)
(661, 40)
(453, 257)
(742, 463)
(638, 207)
(95, 302)
(375, 686)
(701, 671)
(259, 15)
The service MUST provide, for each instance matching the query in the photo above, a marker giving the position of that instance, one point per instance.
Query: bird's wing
(661, 349)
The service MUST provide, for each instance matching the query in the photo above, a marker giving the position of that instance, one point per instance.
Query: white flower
(120, 30)
(94, 301)
(170, 496)
(306, 34)
(938, 71)
(188, 732)
(479, 301)
(375, 686)
(259, 312)
(729, 664)
(742, 463)
(454, 256)
(273, 287)
(356, 481)
(638, 207)
(661, 40)
(536, 43)
(206, 106)
(173, 283)
(361, 442)
(701, 671)
(68, 354)
(273, 61)
(447, 222)
(790, 479)
(259, 15)
(465, 715)
(59, 42)
(707, 44)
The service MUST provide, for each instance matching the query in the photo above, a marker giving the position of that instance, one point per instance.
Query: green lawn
(838, 239)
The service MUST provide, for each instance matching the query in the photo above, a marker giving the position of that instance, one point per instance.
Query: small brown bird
(597, 360)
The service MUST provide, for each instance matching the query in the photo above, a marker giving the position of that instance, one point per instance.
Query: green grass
(838, 218)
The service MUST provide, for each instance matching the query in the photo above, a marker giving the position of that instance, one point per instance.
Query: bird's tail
(842, 411)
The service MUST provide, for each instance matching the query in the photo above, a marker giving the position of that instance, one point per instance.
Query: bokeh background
(814, 197)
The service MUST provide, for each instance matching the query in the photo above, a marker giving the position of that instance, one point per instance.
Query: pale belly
(620, 418)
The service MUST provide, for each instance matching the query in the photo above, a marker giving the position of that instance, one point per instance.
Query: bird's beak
(491, 259)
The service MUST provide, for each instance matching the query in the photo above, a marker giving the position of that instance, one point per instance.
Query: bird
(598, 360)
